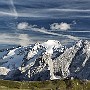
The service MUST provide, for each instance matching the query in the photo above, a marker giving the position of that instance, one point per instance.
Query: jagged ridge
(49, 60)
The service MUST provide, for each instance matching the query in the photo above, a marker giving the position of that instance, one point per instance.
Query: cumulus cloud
(22, 25)
(60, 26)
(25, 25)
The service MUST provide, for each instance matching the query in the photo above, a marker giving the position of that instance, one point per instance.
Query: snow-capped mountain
(48, 60)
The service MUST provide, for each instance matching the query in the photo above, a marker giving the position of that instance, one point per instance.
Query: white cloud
(13, 8)
(19, 39)
(55, 26)
(61, 26)
(42, 30)
(2, 13)
(22, 25)
(42, 13)
(24, 39)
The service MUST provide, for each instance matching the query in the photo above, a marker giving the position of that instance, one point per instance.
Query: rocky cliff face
(74, 62)
(48, 60)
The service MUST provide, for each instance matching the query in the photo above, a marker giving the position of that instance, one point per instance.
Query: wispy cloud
(46, 13)
(18, 39)
(13, 8)
(69, 10)
(24, 39)
(7, 13)
(45, 31)
(11, 12)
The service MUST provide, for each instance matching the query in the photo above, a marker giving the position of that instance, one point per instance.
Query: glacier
(46, 61)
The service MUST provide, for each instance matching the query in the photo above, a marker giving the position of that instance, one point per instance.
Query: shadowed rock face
(49, 60)
(74, 62)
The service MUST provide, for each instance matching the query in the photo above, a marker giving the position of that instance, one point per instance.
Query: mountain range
(46, 61)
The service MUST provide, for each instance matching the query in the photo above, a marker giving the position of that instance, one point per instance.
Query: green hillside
(45, 85)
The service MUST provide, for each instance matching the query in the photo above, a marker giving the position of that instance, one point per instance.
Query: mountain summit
(48, 60)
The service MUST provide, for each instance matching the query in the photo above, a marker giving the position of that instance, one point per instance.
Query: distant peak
(81, 43)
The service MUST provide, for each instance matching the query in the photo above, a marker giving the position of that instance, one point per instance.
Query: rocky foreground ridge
(46, 61)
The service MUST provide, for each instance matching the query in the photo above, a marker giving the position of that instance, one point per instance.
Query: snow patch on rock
(44, 61)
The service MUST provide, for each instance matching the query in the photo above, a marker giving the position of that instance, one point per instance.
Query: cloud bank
(19, 39)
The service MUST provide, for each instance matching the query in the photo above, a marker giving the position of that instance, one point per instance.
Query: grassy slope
(45, 85)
